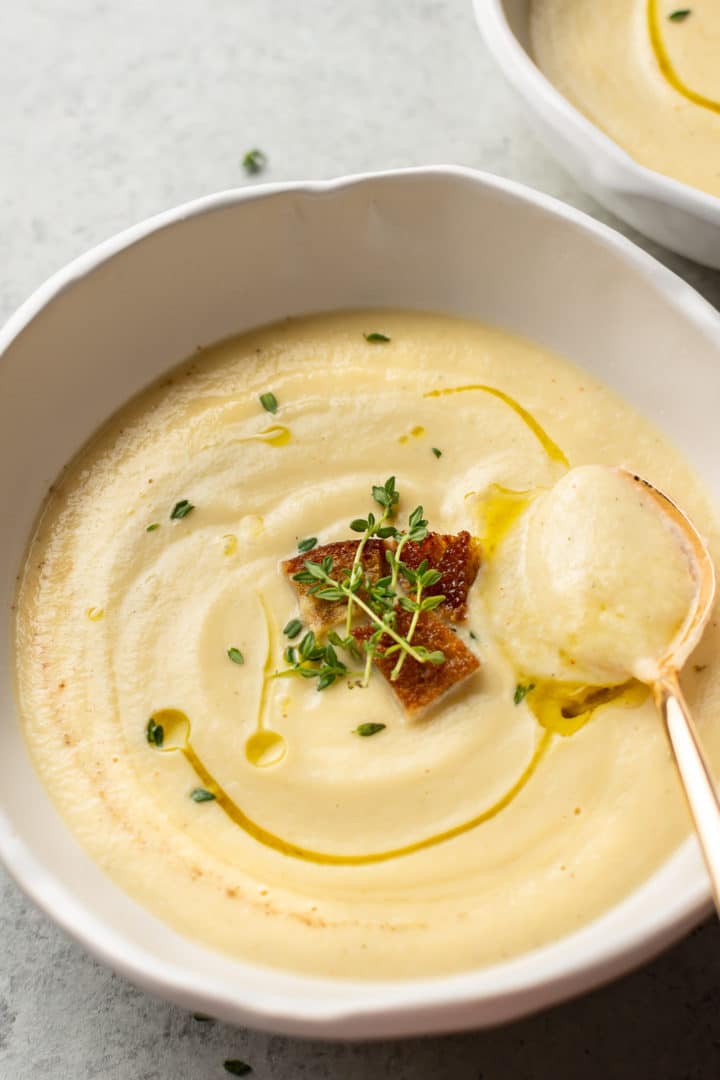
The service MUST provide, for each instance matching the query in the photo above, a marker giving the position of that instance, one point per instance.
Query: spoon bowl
(703, 570)
(662, 675)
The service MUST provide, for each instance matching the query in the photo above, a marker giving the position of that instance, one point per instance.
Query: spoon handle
(694, 772)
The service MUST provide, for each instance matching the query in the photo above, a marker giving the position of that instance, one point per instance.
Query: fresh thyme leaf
(292, 629)
(375, 338)
(436, 452)
(254, 162)
(155, 733)
(269, 402)
(307, 545)
(237, 1068)
(521, 692)
(330, 594)
(315, 570)
(359, 525)
(181, 509)
(368, 729)
(236, 656)
(473, 635)
(430, 578)
(307, 645)
(151, 528)
(201, 794)
(680, 14)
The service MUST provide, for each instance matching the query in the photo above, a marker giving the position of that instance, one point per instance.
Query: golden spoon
(662, 676)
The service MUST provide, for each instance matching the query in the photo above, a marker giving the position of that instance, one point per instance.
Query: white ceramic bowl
(439, 239)
(676, 215)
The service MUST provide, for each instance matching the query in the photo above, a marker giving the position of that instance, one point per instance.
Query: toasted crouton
(420, 685)
(321, 615)
(457, 557)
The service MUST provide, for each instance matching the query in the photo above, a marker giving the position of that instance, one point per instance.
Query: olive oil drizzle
(551, 448)
(181, 729)
(499, 509)
(666, 65)
(275, 435)
(265, 747)
(561, 709)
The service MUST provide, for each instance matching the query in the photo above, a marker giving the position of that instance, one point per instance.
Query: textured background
(114, 111)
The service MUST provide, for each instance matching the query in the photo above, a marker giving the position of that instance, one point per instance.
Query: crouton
(457, 557)
(420, 685)
(321, 615)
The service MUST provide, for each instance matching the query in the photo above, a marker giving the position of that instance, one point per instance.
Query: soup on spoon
(606, 580)
(594, 584)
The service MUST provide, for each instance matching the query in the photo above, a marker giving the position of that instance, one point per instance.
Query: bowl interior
(517, 13)
(443, 240)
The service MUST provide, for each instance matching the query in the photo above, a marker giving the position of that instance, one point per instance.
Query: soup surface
(328, 830)
(645, 71)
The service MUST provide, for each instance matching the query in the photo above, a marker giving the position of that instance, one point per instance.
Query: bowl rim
(379, 1008)
(626, 176)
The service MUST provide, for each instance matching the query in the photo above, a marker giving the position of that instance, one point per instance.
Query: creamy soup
(645, 71)
(594, 584)
(330, 830)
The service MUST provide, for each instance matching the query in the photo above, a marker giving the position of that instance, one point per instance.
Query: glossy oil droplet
(498, 510)
(265, 748)
(229, 544)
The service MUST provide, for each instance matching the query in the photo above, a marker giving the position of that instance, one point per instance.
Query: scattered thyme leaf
(236, 1067)
(680, 14)
(269, 402)
(254, 162)
(201, 794)
(151, 528)
(202, 1018)
(235, 655)
(368, 729)
(155, 732)
(181, 509)
(293, 628)
(522, 691)
(376, 338)
(436, 452)
(473, 635)
(307, 545)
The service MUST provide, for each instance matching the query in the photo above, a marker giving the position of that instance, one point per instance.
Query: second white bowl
(672, 213)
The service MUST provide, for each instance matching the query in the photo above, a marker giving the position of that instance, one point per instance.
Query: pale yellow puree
(651, 82)
(482, 830)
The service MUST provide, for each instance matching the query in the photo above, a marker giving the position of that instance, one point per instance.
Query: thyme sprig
(311, 660)
(387, 497)
(402, 588)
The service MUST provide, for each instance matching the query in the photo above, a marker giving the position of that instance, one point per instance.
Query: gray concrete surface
(111, 112)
